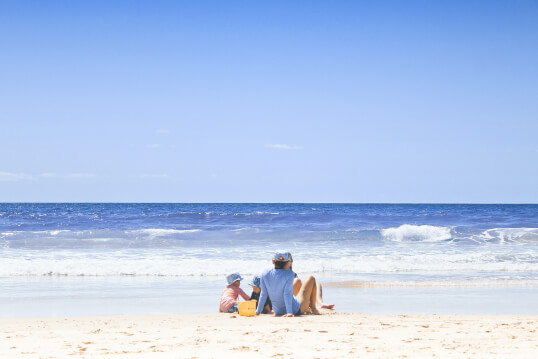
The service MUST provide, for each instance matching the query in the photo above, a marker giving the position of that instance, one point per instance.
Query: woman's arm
(288, 296)
(263, 297)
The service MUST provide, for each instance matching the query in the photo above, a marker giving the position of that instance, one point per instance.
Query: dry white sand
(227, 335)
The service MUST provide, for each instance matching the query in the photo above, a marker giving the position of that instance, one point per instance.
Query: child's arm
(243, 294)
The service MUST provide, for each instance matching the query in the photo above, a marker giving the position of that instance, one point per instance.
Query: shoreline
(331, 335)
(493, 284)
(61, 297)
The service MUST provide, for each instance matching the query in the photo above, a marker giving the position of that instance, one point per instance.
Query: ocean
(108, 258)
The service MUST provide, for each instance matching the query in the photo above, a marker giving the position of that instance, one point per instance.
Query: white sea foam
(85, 238)
(246, 229)
(510, 235)
(218, 262)
(423, 233)
(160, 232)
(117, 239)
(54, 233)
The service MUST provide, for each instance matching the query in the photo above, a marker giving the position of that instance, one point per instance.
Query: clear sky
(269, 101)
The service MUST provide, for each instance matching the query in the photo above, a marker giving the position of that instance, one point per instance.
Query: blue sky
(277, 101)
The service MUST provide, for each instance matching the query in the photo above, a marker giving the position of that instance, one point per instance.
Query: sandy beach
(332, 335)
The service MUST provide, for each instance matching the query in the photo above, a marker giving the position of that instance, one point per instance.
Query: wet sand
(433, 284)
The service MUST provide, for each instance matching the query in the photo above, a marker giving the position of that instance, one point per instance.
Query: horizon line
(114, 202)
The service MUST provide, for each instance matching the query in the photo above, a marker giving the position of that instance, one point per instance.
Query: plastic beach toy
(247, 308)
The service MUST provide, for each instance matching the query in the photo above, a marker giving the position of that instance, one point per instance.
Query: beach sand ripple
(332, 335)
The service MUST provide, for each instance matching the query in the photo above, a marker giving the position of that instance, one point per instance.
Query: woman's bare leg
(319, 300)
(296, 286)
(307, 296)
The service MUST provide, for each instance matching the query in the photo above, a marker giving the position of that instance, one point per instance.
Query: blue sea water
(159, 250)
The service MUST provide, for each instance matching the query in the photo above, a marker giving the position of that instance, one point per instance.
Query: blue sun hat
(282, 256)
(256, 281)
(233, 277)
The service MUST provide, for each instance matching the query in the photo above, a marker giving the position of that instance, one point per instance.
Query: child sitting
(256, 289)
(230, 294)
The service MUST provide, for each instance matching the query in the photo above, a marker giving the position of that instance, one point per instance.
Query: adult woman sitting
(297, 284)
(277, 283)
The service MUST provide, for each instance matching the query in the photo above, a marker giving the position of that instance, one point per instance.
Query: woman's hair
(280, 264)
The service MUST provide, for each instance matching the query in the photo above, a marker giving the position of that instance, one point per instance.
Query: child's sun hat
(256, 281)
(233, 277)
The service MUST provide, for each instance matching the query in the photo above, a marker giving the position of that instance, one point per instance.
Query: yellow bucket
(247, 308)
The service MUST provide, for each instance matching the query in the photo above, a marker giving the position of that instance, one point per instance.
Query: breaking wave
(423, 233)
